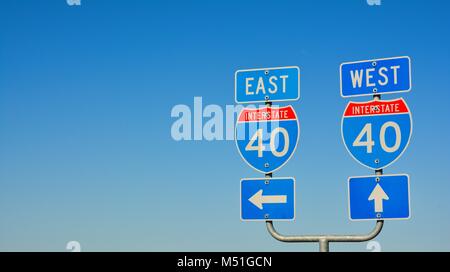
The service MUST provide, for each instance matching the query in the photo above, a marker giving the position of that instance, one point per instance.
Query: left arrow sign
(268, 199)
(258, 199)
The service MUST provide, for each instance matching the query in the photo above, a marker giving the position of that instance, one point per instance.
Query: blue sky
(85, 99)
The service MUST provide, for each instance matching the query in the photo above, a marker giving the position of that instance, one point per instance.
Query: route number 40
(369, 143)
(258, 137)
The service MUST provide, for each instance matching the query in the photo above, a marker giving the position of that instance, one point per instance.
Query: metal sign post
(324, 240)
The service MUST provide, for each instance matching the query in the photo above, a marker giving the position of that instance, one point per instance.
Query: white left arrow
(259, 199)
(378, 195)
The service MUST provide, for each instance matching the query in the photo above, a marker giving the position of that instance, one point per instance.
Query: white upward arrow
(378, 195)
(258, 199)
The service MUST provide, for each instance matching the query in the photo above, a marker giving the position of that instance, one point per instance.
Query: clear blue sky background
(85, 99)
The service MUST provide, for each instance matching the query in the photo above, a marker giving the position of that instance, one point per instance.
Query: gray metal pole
(324, 245)
(324, 240)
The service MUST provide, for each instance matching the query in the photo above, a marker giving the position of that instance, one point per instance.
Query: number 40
(258, 138)
(369, 143)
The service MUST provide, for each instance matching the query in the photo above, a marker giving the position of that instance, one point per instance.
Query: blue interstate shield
(267, 137)
(376, 133)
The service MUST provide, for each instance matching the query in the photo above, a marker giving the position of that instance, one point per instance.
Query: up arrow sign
(378, 195)
(389, 197)
(258, 199)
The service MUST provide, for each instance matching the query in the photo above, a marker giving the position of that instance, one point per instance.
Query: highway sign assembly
(379, 197)
(267, 137)
(267, 84)
(378, 76)
(376, 133)
(268, 199)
